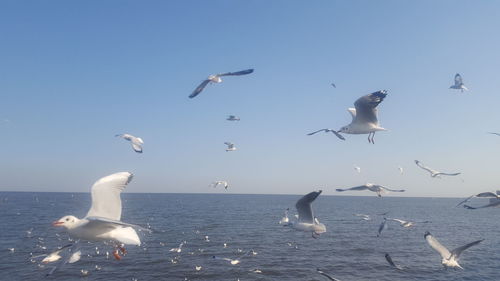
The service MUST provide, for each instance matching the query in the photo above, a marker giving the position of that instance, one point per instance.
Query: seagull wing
(389, 260)
(199, 89)
(326, 275)
(338, 135)
(102, 221)
(361, 187)
(458, 80)
(382, 226)
(65, 257)
(493, 204)
(310, 134)
(106, 201)
(424, 167)
(467, 199)
(366, 107)
(434, 243)
(456, 252)
(237, 73)
(447, 174)
(398, 220)
(352, 111)
(392, 190)
(304, 207)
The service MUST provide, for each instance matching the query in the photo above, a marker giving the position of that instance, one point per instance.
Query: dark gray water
(349, 250)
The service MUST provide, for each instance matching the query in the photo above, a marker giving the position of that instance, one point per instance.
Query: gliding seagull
(136, 142)
(433, 172)
(449, 259)
(217, 79)
(233, 118)
(307, 221)
(379, 189)
(458, 85)
(230, 146)
(216, 183)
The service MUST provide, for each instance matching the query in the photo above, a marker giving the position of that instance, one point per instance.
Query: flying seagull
(307, 221)
(333, 85)
(459, 85)
(233, 118)
(449, 259)
(379, 189)
(136, 142)
(389, 260)
(498, 134)
(284, 220)
(383, 226)
(102, 222)
(483, 195)
(326, 131)
(217, 183)
(326, 275)
(216, 78)
(494, 202)
(357, 168)
(434, 173)
(363, 216)
(364, 116)
(230, 146)
(407, 224)
(400, 170)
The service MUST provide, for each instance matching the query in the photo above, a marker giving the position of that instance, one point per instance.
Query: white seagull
(383, 226)
(102, 222)
(449, 259)
(216, 78)
(364, 116)
(363, 216)
(493, 197)
(178, 249)
(307, 221)
(233, 118)
(230, 146)
(458, 85)
(357, 168)
(379, 189)
(284, 220)
(433, 172)
(400, 170)
(217, 183)
(407, 224)
(135, 141)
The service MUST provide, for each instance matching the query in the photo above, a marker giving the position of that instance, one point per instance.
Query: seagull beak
(57, 223)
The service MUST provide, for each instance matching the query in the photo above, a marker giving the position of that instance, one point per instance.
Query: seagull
(364, 116)
(216, 183)
(333, 85)
(233, 261)
(363, 217)
(178, 249)
(197, 268)
(358, 169)
(379, 189)
(216, 78)
(434, 173)
(230, 146)
(498, 134)
(54, 256)
(400, 170)
(407, 224)
(449, 259)
(326, 131)
(494, 197)
(284, 220)
(326, 275)
(389, 260)
(307, 221)
(494, 202)
(102, 222)
(233, 118)
(383, 226)
(136, 142)
(459, 85)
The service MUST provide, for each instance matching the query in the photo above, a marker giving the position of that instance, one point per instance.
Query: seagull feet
(372, 135)
(116, 255)
(117, 250)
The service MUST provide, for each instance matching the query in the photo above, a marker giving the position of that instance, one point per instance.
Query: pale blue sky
(74, 74)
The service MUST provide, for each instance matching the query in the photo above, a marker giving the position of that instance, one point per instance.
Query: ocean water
(349, 250)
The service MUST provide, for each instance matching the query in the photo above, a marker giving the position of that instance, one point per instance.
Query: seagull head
(214, 78)
(344, 129)
(66, 221)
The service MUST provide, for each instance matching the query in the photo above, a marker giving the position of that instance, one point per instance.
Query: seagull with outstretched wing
(216, 78)
(230, 146)
(458, 83)
(135, 141)
(379, 189)
(433, 172)
(448, 259)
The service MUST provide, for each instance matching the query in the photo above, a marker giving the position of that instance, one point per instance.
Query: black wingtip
(427, 233)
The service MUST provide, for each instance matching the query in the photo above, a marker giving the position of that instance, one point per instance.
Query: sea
(245, 227)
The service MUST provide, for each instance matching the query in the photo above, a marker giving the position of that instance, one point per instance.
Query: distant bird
(230, 146)
(364, 116)
(389, 260)
(307, 221)
(458, 84)
(326, 131)
(379, 189)
(333, 85)
(363, 216)
(407, 224)
(284, 220)
(236, 260)
(216, 78)
(326, 275)
(54, 256)
(382, 227)
(400, 170)
(358, 169)
(498, 134)
(102, 222)
(197, 268)
(483, 195)
(136, 142)
(449, 259)
(233, 118)
(217, 183)
(178, 249)
(433, 172)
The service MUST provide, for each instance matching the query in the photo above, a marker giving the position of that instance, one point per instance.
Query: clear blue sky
(75, 73)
